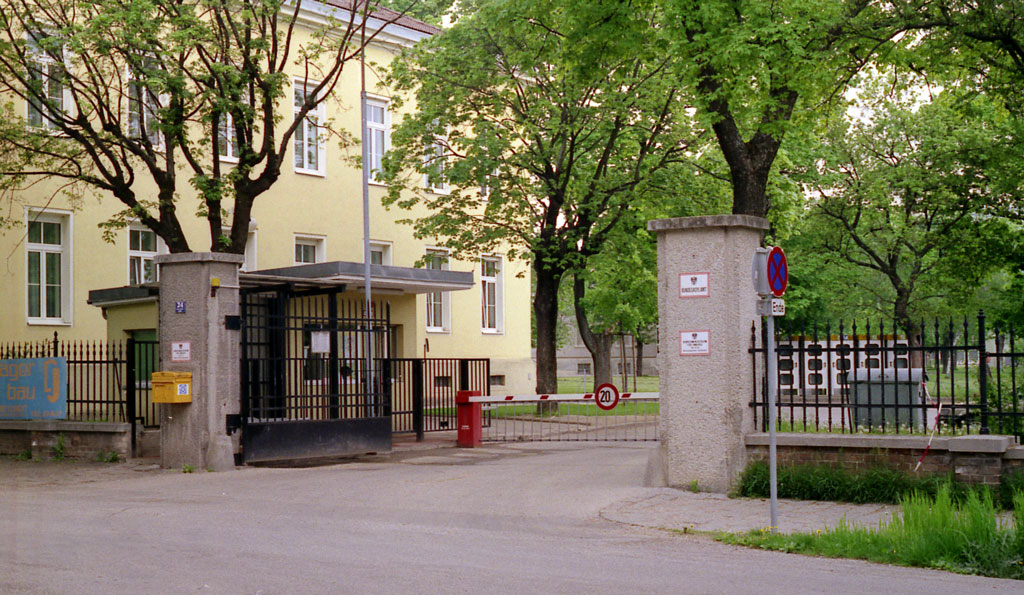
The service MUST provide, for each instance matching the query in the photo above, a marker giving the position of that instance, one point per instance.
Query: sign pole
(772, 415)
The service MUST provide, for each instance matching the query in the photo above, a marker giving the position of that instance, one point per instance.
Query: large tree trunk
(901, 314)
(638, 365)
(545, 311)
(599, 345)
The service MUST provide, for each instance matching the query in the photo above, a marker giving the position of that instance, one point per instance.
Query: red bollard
(470, 419)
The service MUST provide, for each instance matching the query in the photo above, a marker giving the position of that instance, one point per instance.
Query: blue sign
(33, 388)
(179, 307)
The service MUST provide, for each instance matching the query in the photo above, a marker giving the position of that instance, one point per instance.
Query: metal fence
(569, 418)
(952, 378)
(423, 391)
(107, 380)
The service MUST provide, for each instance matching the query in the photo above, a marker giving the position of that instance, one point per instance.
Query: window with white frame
(309, 249)
(143, 245)
(491, 320)
(438, 310)
(436, 179)
(46, 71)
(309, 147)
(227, 140)
(48, 251)
(378, 124)
(144, 108)
(380, 253)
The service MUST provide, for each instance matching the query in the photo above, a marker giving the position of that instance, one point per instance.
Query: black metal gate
(313, 376)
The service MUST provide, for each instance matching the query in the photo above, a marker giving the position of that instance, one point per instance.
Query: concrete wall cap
(847, 441)
(56, 425)
(748, 221)
(1014, 452)
(199, 257)
(980, 443)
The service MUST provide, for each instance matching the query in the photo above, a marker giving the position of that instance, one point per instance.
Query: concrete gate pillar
(197, 291)
(706, 305)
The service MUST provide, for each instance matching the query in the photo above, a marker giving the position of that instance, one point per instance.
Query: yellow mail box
(172, 387)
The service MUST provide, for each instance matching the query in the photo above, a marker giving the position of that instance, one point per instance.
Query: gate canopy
(389, 279)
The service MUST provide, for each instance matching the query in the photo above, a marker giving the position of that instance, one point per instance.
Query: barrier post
(470, 419)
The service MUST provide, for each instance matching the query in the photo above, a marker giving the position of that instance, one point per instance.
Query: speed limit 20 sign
(607, 396)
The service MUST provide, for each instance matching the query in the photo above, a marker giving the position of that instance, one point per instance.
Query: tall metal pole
(773, 387)
(366, 205)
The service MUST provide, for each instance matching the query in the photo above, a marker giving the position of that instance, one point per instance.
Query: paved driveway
(502, 519)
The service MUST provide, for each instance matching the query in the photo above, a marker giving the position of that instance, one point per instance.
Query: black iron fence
(107, 380)
(423, 391)
(950, 377)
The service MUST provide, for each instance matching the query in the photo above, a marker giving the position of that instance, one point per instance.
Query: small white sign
(778, 307)
(693, 285)
(320, 342)
(181, 351)
(694, 342)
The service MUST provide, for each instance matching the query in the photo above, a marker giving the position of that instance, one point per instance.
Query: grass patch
(932, 532)
(585, 384)
(876, 485)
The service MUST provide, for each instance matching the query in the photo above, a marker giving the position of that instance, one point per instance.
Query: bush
(876, 485)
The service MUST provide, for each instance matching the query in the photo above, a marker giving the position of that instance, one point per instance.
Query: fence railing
(949, 377)
(423, 391)
(107, 380)
(569, 418)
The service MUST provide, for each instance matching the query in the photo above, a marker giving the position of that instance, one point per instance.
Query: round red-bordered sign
(606, 396)
(778, 271)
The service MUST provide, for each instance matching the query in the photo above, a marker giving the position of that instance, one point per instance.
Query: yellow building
(311, 216)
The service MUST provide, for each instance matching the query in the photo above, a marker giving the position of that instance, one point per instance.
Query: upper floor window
(48, 281)
(309, 249)
(144, 107)
(309, 146)
(380, 253)
(438, 310)
(227, 140)
(378, 124)
(46, 74)
(143, 245)
(491, 300)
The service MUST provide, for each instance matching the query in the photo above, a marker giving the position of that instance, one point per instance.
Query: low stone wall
(82, 439)
(971, 459)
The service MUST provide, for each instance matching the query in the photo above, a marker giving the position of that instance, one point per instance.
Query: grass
(585, 384)
(875, 485)
(932, 532)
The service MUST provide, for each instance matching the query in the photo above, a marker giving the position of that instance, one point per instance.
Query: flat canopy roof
(345, 275)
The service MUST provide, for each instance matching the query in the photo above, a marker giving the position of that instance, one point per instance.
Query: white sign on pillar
(695, 342)
(694, 285)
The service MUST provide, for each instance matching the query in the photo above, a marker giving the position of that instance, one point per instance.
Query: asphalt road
(503, 519)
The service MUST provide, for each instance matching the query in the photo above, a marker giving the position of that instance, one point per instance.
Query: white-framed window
(436, 179)
(309, 249)
(380, 253)
(491, 315)
(438, 306)
(48, 268)
(227, 140)
(143, 245)
(378, 124)
(308, 142)
(48, 72)
(143, 109)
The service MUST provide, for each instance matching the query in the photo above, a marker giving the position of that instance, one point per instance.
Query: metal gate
(313, 375)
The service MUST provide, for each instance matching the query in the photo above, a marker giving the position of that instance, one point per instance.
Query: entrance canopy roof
(389, 280)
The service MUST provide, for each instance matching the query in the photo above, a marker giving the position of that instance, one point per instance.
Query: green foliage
(25, 455)
(428, 11)
(59, 449)
(877, 484)
(694, 486)
(935, 531)
(108, 456)
(186, 468)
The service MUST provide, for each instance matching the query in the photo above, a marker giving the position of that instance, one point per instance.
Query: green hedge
(878, 484)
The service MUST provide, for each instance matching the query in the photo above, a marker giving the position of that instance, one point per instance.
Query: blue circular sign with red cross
(778, 271)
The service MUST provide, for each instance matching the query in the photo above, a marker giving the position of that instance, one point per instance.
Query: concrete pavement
(518, 518)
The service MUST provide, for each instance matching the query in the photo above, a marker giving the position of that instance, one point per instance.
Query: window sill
(376, 183)
(311, 172)
(227, 159)
(485, 331)
(438, 331)
(47, 322)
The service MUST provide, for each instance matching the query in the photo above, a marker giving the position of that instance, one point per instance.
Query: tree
(137, 99)
(540, 122)
(905, 193)
(758, 68)
(428, 11)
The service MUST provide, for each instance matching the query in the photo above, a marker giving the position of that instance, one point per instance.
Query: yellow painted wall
(328, 206)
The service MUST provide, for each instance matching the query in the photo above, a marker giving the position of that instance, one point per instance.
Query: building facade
(311, 217)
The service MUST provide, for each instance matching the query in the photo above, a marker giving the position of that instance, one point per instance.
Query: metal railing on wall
(423, 391)
(106, 380)
(950, 377)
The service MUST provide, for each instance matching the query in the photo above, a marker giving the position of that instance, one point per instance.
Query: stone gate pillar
(197, 291)
(706, 305)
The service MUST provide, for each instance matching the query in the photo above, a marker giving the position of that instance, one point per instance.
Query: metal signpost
(771, 278)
